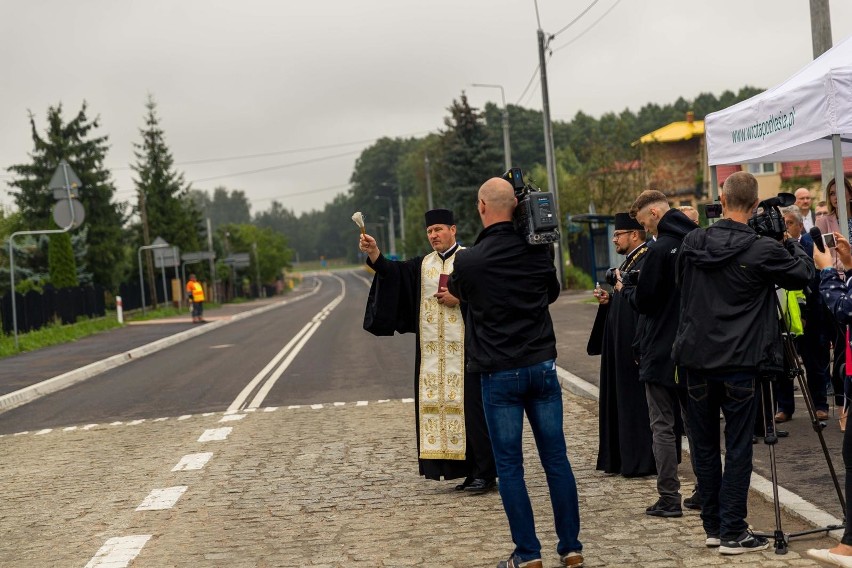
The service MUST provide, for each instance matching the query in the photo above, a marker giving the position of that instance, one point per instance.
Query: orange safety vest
(196, 290)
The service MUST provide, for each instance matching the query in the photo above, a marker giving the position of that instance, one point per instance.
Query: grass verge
(56, 333)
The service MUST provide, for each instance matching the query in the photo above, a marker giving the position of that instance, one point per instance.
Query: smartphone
(828, 239)
(442, 281)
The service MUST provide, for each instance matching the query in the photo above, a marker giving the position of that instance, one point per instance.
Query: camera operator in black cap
(624, 433)
(729, 335)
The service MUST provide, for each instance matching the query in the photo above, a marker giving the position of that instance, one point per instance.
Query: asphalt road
(340, 362)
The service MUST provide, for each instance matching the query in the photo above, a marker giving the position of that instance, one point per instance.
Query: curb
(59, 382)
(789, 501)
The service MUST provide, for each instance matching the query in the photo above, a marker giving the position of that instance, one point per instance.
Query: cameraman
(507, 286)
(728, 335)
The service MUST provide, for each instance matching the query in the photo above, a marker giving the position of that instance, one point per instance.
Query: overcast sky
(317, 80)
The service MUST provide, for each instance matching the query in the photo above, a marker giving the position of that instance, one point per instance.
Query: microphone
(816, 235)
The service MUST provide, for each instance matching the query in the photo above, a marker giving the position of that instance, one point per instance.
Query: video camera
(629, 278)
(767, 219)
(535, 216)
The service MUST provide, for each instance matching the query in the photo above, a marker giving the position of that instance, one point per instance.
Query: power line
(537, 17)
(584, 32)
(535, 72)
(310, 191)
(279, 167)
(574, 21)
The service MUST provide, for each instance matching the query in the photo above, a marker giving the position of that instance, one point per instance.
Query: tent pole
(714, 184)
(839, 186)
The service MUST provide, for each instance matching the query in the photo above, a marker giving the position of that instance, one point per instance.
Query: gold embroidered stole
(441, 381)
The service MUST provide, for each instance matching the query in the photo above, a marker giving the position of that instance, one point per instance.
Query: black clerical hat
(624, 222)
(439, 217)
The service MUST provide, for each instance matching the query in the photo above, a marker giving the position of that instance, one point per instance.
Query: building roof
(675, 132)
(809, 168)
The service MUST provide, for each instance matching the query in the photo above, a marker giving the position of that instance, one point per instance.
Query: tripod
(793, 366)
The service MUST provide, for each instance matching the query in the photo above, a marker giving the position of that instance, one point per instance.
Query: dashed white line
(193, 461)
(118, 552)
(214, 434)
(43, 432)
(408, 400)
(69, 429)
(136, 422)
(232, 417)
(160, 499)
(185, 416)
(116, 423)
(270, 409)
(294, 406)
(362, 403)
(339, 404)
(88, 426)
(316, 406)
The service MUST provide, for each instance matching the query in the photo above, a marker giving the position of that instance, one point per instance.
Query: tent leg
(839, 186)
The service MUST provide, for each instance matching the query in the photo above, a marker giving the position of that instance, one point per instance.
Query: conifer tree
(63, 270)
(76, 142)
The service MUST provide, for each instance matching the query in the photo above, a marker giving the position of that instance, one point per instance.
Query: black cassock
(624, 427)
(394, 305)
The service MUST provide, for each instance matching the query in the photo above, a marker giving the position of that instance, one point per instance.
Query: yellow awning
(675, 132)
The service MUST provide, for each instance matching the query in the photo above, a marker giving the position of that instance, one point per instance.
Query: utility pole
(428, 184)
(213, 295)
(401, 225)
(550, 157)
(821, 41)
(146, 242)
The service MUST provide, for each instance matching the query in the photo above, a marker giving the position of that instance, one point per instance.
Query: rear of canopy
(807, 117)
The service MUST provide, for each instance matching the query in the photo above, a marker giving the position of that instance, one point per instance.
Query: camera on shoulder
(767, 220)
(535, 216)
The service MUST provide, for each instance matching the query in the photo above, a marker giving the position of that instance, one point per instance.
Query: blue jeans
(505, 396)
(724, 497)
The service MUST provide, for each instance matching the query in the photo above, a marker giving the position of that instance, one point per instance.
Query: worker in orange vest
(196, 296)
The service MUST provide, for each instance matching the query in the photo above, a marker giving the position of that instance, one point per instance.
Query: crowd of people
(689, 330)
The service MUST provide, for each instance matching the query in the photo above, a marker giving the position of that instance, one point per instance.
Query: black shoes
(480, 485)
(660, 509)
(693, 501)
(463, 485)
(747, 542)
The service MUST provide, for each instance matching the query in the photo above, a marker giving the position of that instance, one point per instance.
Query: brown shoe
(572, 560)
(781, 417)
(842, 419)
(821, 415)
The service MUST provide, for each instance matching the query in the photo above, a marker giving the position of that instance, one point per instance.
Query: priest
(411, 297)
(624, 444)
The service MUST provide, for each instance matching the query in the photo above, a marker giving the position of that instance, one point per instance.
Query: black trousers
(480, 457)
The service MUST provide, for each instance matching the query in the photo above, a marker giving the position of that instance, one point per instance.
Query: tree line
(463, 153)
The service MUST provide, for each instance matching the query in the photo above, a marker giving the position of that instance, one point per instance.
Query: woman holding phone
(830, 224)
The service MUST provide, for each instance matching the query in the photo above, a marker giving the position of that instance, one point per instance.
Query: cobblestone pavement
(330, 486)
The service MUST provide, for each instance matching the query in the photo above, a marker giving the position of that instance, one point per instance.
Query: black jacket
(657, 300)
(729, 318)
(506, 285)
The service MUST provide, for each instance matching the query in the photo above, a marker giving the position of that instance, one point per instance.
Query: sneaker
(748, 542)
(660, 509)
(693, 501)
(712, 541)
(572, 560)
(515, 562)
(829, 557)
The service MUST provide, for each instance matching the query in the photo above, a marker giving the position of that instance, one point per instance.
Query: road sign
(62, 213)
(238, 260)
(198, 256)
(168, 257)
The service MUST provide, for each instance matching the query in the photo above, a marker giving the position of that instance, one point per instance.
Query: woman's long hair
(828, 187)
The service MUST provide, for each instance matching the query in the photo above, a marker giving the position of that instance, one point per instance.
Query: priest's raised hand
(367, 244)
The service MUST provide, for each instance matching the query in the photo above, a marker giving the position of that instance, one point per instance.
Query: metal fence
(35, 309)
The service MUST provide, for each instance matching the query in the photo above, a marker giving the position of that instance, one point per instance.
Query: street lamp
(139, 256)
(391, 237)
(507, 147)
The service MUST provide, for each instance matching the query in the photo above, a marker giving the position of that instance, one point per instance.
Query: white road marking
(118, 551)
(89, 426)
(193, 461)
(185, 416)
(161, 419)
(43, 432)
(294, 406)
(206, 414)
(270, 409)
(21, 433)
(361, 403)
(339, 404)
(384, 400)
(215, 434)
(408, 400)
(223, 346)
(69, 429)
(232, 417)
(316, 406)
(116, 423)
(286, 356)
(136, 422)
(160, 499)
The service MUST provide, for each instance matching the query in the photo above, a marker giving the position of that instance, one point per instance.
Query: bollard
(119, 310)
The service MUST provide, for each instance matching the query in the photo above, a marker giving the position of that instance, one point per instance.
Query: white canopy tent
(807, 117)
